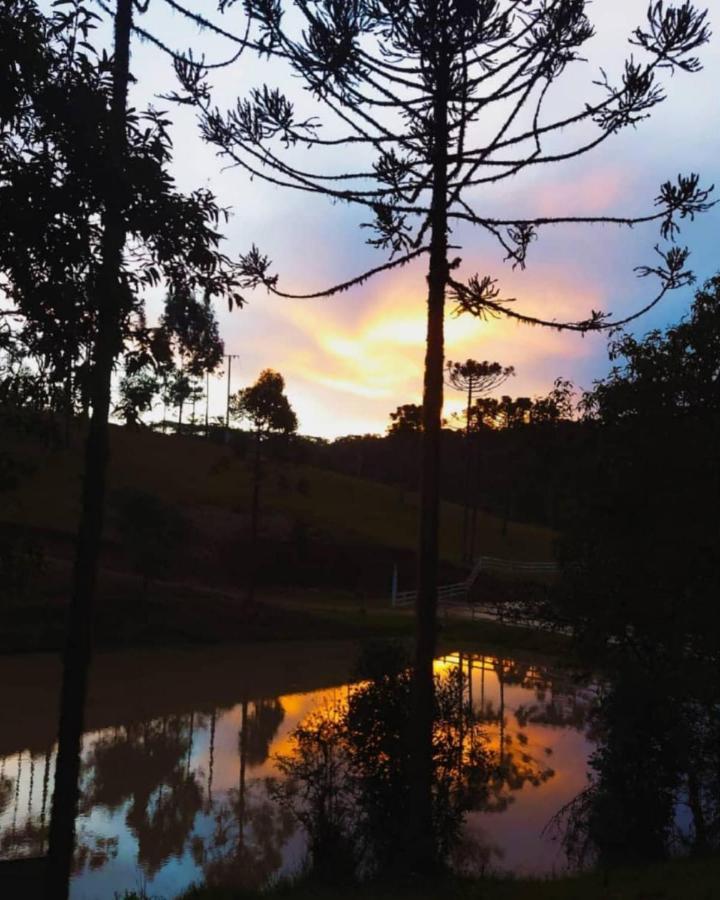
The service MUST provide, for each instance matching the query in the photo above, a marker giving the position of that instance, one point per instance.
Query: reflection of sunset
(522, 710)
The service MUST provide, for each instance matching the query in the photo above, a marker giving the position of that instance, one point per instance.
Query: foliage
(477, 378)
(152, 532)
(137, 391)
(644, 537)
(651, 758)
(265, 405)
(21, 561)
(407, 419)
(54, 184)
(348, 777)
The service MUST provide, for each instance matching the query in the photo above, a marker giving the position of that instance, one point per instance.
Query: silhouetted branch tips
(521, 236)
(673, 274)
(673, 33)
(480, 297)
(685, 199)
(392, 229)
(254, 269)
(630, 103)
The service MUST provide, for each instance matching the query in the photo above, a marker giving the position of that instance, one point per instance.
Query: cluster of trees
(644, 535)
(496, 412)
(165, 364)
(92, 220)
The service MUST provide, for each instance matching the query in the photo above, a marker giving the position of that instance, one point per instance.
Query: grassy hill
(324, 562)
(212, 484)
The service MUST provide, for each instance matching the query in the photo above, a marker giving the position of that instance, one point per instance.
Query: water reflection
(654, 787)
(175, 795)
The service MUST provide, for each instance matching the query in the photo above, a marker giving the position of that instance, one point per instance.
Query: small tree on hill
(266, 407)
(407, 419)
(477, 379)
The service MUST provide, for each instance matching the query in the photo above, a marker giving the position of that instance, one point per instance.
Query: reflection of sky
(350, 360)
(514, 832)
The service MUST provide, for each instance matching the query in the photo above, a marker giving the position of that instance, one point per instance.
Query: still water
(180, 746)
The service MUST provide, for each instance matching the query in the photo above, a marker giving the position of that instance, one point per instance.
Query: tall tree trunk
(78, 643)
(68, 405)
(465, 552)
(254, 518)
(423, 850)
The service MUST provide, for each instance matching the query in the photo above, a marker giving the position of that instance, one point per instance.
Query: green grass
(376, 619)
(678, 880)
(195, 473)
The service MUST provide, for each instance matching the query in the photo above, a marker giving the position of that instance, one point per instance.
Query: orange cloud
(372, 361)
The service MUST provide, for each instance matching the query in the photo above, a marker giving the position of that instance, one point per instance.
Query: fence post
(394, 589)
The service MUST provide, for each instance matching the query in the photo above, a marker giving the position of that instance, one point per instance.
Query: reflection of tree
(347, 780)
(93, 851)
(561, 710)
(263, 720)
(27, 833)
(515, 763)
(245, 846)
(659, 734)
(6, 792)
(147, 765)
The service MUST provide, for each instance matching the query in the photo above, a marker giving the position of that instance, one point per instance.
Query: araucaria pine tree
(476, 379)
(449, 98)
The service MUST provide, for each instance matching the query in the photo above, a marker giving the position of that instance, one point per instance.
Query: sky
(349, 361)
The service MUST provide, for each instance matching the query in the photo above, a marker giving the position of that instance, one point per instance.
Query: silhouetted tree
(557, 406)
(410, 81)
(137, 391)
(643, 542)
(407, 419)
(268, 410)
(476, 379)
(80, 175)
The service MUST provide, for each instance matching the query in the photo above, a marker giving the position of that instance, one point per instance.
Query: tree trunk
(254, 519)
(465, 552)
(78, 642)
(423, 850)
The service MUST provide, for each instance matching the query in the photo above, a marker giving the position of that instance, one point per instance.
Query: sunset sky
(350, 360)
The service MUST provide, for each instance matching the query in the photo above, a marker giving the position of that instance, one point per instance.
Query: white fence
(455, 594)
(446, 592)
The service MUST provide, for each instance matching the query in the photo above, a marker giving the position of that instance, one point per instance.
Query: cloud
(349, 362)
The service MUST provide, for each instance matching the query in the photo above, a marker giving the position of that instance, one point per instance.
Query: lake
(180, 744)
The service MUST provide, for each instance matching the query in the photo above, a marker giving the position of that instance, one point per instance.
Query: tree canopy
(265, 405)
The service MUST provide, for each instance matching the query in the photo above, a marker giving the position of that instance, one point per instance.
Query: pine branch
(254, 268)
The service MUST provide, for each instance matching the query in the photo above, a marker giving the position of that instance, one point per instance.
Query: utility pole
(229, 357)
(207, 404)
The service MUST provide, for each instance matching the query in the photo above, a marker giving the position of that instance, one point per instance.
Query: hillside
(211, 484)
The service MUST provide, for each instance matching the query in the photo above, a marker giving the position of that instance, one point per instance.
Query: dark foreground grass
(177, 614)
(677, 880)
